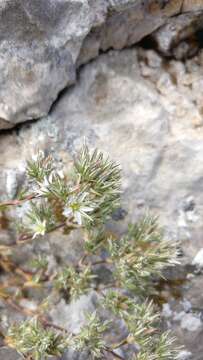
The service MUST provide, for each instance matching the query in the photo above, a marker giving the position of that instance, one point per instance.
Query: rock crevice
(43, 42)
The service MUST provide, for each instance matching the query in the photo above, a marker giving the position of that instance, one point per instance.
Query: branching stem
(17, 202)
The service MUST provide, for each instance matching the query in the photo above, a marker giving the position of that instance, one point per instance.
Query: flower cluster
(87, 198)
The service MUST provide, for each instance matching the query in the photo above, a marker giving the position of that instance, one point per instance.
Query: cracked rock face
(43, 41)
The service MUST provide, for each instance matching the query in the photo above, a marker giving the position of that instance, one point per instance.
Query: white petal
(78, 218)
(67, 212)
(83, 196)
(86, 209)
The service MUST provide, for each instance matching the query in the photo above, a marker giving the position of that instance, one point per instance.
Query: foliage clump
(31, 338)
(91, 336)
(74, 283)
(141, 254)
(84, 200)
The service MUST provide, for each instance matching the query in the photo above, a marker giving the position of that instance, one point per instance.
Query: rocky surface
(43, 42)
(146, 113)
(179, 37)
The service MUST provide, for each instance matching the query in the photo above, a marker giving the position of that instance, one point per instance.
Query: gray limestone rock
(43, 41)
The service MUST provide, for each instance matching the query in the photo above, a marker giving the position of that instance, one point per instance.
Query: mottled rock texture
(146, 113)
(42, 42)
(143, 108)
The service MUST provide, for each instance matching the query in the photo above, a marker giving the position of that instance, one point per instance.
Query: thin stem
(19, 308)
(111, 351)
(81, 263)
(23, 238)
(17, 202)
(82, 259)
(54, 326)
(121, 343)
(104, 261)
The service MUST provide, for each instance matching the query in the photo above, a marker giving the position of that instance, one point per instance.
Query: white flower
(38, 228)
(60, 174)
(43, 188)
(77, 208)
(39, 155)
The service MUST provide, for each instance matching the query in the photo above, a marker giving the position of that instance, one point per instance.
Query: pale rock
(11, 182)
(28, 304)
(198, 260)
(178, 316)
(72, 316)
(185, 355)
(9, 354)
(166, 311)
(193, 5)
(187, 306)
(190, 322)
(153, 59)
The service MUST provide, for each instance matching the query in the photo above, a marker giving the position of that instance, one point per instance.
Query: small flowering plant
(85, 200)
